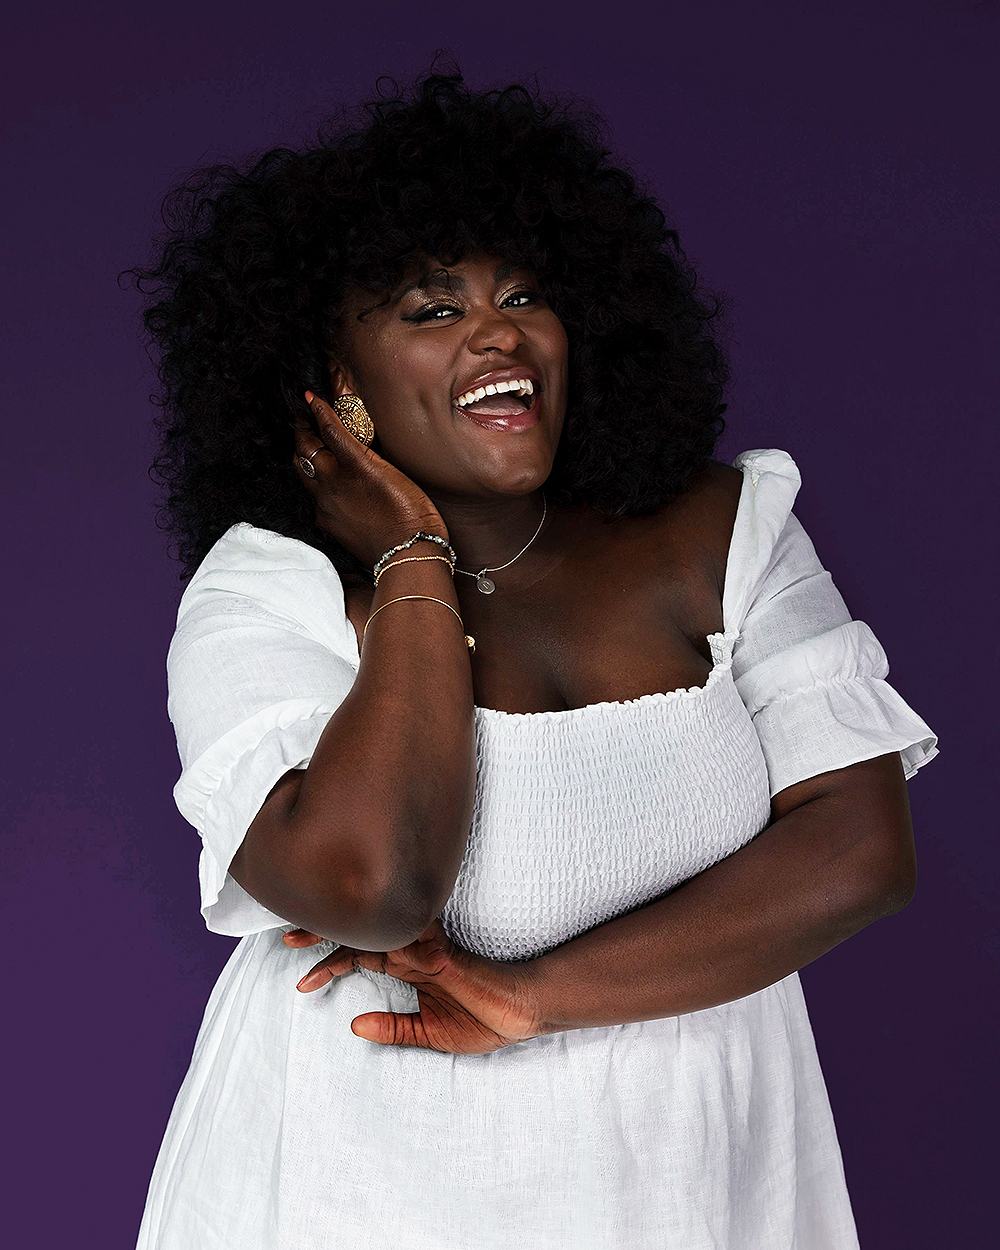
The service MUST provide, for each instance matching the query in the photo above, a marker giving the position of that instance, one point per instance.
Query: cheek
(385, 381)
(427, 362)
(406, 390)
(415, 377)
(556, 342)
(556, 351)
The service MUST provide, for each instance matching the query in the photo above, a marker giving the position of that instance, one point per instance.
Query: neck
(486, 533)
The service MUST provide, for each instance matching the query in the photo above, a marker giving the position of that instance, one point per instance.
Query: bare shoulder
(719, 476)
(710, 506)
(725, 483)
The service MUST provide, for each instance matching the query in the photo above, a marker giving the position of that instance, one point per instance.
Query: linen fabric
(706, 1131)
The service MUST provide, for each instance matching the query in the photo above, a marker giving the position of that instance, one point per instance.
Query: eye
(525, 293)
(429, 313)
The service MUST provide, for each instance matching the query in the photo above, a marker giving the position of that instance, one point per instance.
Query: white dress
(706, 1131)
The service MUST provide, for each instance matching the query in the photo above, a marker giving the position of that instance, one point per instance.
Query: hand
(469, 1005)
(362, 501)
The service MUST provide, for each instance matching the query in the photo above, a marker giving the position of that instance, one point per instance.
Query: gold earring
(355, 416)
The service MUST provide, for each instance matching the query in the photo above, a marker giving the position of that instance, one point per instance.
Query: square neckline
(720, 666)
(722, 656)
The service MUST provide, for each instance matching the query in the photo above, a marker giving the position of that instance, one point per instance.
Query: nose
(495, 329)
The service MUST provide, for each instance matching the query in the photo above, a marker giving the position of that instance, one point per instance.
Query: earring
(355, 416)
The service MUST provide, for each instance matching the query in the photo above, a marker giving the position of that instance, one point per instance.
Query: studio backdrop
(831, 172)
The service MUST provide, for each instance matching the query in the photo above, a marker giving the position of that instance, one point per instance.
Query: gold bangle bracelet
(410, 560)
(470, 642)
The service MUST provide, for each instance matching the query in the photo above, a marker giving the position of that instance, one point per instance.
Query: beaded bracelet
(420, 534)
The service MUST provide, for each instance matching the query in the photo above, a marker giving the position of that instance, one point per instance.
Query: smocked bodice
(583, 814)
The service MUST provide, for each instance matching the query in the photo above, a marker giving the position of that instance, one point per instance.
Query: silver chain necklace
(486, 584)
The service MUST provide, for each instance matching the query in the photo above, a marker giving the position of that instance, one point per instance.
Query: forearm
(397, 761)
(363, 846)
(798, 889)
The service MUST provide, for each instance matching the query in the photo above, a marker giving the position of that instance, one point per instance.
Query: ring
(306, 464)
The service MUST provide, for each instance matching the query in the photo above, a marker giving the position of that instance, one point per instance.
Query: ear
(341, 379)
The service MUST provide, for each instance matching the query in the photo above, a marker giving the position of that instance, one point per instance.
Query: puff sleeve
(250, 689)
(813, 678)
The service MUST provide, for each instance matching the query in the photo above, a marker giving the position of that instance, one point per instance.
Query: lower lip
(509, 425)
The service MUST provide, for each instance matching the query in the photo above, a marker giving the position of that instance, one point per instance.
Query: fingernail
(309, 397)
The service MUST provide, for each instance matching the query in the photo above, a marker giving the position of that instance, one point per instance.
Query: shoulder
(258, 573)
(760, 462)
(721, 482)
(728, 504)
(711, 505)
(246, 548)
(253, 563)
(723, 486)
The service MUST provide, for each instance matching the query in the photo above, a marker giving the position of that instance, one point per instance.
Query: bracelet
(410, 560)
(420, 534)
(470, 642)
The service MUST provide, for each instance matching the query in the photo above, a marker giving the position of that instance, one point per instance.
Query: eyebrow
(428, 278)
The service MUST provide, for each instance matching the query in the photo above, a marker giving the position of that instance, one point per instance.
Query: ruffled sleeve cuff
(824, 703)
(222, 791)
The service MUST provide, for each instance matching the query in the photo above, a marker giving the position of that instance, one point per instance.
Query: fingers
(310, 449)
(391, 1028)
(346, 959)
(301, 937)
(405, 962)
(335, 965)
(309, 445)
(346, 452)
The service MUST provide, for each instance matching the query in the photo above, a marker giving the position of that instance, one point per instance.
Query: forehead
(424, 272)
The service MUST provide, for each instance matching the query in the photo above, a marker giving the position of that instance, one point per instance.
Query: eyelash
(427, 314)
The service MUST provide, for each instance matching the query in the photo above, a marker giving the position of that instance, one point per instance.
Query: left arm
(839, 743)
(837, 855)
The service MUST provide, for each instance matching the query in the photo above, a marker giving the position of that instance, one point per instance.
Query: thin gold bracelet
(470, 642)
(410, 560)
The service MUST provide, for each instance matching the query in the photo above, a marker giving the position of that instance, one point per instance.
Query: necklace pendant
(486, 584)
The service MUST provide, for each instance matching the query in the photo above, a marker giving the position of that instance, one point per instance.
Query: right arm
(364, 845)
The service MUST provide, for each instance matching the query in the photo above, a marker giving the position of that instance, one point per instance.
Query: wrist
(420, 541)
(533, 996)
(423, 564)
(426, 525)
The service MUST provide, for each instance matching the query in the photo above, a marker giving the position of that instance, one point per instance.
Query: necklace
(486, 584)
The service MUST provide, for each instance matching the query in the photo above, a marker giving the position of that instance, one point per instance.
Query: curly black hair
(243, 298)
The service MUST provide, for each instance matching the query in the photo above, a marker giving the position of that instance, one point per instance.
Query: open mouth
(505, 399)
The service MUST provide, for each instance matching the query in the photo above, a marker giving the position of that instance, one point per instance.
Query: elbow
(897, 894)
(354, 906)
(375, 925)
(380, 919)
(330, 879)
(884, 887)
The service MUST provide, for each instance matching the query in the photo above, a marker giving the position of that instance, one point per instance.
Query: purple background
(831, 168)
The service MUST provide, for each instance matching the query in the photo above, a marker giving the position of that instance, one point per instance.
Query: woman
(533, 745)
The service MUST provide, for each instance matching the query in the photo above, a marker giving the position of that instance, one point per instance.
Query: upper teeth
(523, 386)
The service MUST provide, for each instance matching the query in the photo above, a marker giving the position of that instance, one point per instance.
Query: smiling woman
(429, 357)
(524, 862)
(250, 292)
